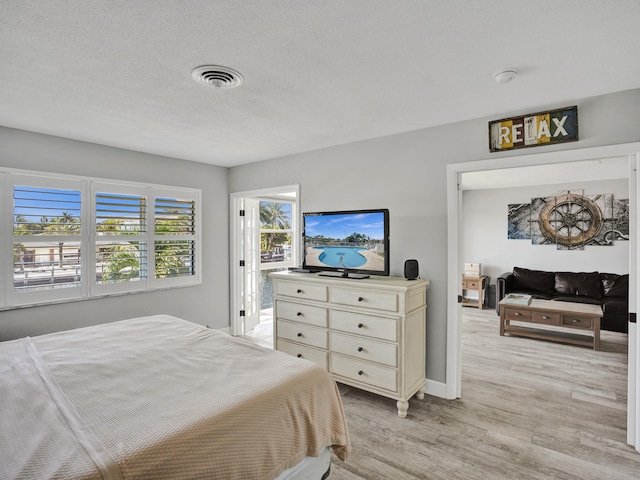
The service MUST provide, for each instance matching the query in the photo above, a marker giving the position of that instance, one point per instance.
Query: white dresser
(368, 333)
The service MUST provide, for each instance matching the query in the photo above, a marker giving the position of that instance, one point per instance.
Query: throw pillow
(534, 280)
(580, 284)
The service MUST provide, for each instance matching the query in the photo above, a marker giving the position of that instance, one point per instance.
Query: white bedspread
(160, 398)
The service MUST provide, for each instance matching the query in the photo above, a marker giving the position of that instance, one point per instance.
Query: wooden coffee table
(572, 320)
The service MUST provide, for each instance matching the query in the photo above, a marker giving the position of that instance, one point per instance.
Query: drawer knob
(299, 355)
(360, 325)
(360, 372)
(299, 314)
(298, 291)
(360, 299)
(299, 334)
(544, 317)
(575, 320)
(360, 349)
(517, 314)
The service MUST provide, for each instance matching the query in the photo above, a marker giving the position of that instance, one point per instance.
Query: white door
(245, 251)
(251, 269)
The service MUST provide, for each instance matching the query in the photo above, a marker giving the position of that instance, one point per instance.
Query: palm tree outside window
(275, 233)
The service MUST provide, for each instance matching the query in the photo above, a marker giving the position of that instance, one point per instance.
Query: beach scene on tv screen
(350, 240)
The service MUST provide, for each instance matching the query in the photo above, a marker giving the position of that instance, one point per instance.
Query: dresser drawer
(306, 291)
(364, 348)
(302, 333)
(546, 318)
(319, 357)
(578, 321)
(302, 313)
(387, 301)
(519, 314)
(364, 372)
(366, 325)
(470, 284)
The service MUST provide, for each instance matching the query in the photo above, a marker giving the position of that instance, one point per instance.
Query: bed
(161, 398)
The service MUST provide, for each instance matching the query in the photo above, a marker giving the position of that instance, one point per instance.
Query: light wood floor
(530, 409)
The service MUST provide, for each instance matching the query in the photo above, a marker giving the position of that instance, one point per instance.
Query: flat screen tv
(350, 243)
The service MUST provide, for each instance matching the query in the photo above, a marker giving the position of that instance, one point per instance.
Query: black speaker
(411, 269)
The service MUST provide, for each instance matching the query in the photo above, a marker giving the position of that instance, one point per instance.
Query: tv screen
(351, 243)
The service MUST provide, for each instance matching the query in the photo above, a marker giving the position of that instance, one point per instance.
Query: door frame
(453, 382)
(236, 200)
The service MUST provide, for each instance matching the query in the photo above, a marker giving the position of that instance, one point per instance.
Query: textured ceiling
(316, 73)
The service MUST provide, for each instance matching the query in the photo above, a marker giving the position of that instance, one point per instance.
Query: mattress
(160, 398)
(311, 468)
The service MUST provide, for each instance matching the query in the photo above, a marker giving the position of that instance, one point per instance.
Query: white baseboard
(437, 389)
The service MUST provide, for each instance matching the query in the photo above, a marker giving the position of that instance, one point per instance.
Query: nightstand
(478, 284)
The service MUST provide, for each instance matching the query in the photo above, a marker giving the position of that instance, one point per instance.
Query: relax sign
(534, 129)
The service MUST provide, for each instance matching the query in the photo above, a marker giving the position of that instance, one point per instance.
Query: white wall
(207, 304)
(484, 233)
(407, 174)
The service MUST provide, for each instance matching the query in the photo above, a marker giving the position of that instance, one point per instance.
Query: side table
(478, 284)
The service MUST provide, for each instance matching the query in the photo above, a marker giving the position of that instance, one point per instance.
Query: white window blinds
(47, 240)
(69, 238)
(175, 233)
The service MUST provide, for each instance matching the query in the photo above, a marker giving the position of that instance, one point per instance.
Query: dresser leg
(403, 407)
(420, 394)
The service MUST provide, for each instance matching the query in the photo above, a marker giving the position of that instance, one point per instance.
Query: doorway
(264, 238)
(454, 201)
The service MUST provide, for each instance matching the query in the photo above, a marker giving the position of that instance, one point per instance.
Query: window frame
(89, 238)
(14, 298)
(182, 196)
(116, 189)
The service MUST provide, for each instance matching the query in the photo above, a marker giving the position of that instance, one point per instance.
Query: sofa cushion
(614, 285)
(579, 284)
(534, 280)
(535, 295)
(616, 306)
(577, 299)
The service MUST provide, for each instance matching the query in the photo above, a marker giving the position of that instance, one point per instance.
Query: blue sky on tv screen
(343, 225)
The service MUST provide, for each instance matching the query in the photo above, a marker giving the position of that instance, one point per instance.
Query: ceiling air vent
(217, 76)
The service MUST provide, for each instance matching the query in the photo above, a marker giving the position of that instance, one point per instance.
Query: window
(46, 242)
(275, 234)
(121, 237)
(174, 237)
(71, 238)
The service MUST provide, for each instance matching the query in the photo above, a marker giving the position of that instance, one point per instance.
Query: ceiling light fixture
(217, 76)
(505, 76)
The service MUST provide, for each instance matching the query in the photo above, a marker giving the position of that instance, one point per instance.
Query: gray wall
(407, 174)
(484, 238)
(207, 304)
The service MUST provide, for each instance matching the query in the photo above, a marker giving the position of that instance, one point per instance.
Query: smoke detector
(505, 76)
(217, 76)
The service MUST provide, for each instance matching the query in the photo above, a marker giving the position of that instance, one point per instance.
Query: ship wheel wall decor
(570, 220)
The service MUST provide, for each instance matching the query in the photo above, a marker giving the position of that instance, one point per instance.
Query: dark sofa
(609, 290)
